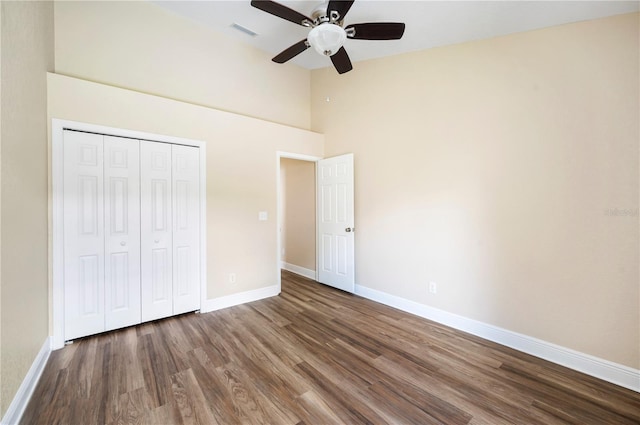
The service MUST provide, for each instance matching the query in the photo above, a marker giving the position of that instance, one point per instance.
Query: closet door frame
(57, 178)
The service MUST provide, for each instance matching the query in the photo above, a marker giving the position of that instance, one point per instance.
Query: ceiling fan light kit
(327, 35)
(327, 39)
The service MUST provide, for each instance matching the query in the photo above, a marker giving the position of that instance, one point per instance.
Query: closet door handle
(123, 243)
(157, 241)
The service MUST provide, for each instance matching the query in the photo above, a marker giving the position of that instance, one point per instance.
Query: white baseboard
(22, 397)
(240, 298)
(603, 369)
(308, 273)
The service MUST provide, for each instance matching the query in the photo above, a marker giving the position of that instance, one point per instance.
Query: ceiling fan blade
(280, 11)
(291, 52)
(341, 61)
(340, 6)
(377, 31)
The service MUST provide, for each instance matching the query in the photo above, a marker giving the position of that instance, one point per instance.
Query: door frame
(299, 157)
(57, 228)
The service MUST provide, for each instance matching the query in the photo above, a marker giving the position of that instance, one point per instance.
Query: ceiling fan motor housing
(321, 14)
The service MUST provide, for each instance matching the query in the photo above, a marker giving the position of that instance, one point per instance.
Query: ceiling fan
(328, 34)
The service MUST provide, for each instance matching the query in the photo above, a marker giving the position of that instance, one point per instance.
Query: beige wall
(27, 54)
(241, 169)
(140, 46)
(495, 168)
(299, 213)
(191, 74)
(498, 160)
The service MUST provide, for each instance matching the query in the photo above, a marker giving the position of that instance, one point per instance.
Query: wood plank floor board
(313, 356)
(190, 399)
(155, 369)
(331, 386)
(426, 406)
(315, 409)
(443, 389)
(257, 368)
(214, 389)
(51, 403)
(130, 408)
(394, 406)
(278, 343)
(479, 375)
(269, 313)
(246, 397)
(264, 362)
(592, 410)
(214, 346)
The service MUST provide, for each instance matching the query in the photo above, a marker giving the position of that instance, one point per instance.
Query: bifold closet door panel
(122, 232)
(131, 231)
(156, 230)
(186, 228)
(83, 234)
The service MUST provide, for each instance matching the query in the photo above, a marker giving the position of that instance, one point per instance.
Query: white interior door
(186, 228)
(83, 234)
(122, 232)
(156, 230)
(334, 190)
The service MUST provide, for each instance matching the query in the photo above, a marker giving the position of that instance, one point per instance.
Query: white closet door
(186, 229)
(122, 228)
(156, 230)
(83, 235)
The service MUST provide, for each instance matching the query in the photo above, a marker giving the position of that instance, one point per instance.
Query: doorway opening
(317, 221)
(297, 214)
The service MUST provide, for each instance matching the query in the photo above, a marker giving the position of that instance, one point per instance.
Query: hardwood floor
(313, 355)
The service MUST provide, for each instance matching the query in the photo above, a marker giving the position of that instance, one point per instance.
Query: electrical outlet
(232, 278)
(433, 287)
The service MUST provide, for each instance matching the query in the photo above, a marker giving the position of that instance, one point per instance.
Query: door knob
(157, 241)
(348, 229)
(123, 243)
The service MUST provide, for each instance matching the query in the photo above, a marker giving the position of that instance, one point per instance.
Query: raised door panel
(122, 232)
(83, 201)
(186, 228)
(156, 237)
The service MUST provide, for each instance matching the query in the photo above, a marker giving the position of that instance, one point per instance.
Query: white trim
(25, 391)
(240, 298)
(57, 231)
(203, 224)
(300, 157)
(308, 273)
(603, 369)
(57, 175)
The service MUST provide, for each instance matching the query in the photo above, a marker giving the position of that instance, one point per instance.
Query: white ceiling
(428, 23)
